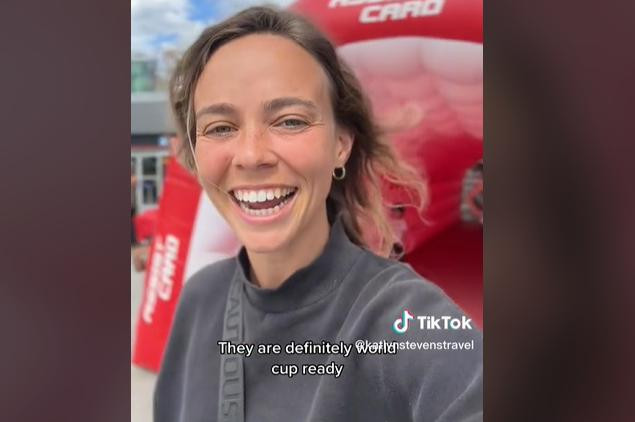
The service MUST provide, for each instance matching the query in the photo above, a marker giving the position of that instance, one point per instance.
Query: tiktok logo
(400, 326)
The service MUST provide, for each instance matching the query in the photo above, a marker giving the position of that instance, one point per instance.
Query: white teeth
(261, 195)
(263, 212)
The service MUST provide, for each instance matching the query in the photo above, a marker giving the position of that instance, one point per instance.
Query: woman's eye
(292, 124)
(219, 131)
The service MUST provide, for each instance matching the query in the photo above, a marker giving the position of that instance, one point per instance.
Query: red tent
(421, 63)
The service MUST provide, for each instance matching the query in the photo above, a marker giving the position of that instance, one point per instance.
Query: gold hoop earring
(339, 173)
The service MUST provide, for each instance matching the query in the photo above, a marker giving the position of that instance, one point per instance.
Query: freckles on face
(213, 161)
(310, 158)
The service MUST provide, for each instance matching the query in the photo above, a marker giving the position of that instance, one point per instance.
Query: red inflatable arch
(421, 63)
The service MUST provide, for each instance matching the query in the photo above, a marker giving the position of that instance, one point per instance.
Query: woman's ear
(344, 146)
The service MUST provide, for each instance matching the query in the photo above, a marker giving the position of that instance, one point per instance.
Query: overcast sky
(160, 24)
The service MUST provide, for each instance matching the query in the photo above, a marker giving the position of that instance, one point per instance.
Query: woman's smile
(265, 204)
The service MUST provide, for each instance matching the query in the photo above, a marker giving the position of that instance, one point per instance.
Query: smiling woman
(281, 138)
(297, 88)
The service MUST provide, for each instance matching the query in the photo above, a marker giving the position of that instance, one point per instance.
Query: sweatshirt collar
(309, 284)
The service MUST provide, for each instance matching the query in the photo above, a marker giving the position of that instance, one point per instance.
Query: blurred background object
(472, 196)
(151, 126)
(143, 73)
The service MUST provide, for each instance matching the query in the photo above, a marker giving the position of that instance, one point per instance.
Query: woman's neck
(270, 270)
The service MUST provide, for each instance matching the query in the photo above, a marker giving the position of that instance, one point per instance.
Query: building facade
(151, 128)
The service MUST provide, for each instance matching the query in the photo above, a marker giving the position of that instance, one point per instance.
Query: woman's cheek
(213, 162)
(310, 156)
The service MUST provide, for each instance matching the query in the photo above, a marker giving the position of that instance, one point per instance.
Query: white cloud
(160, 24)
(155, 20)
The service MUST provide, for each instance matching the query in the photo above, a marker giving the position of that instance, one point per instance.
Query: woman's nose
(253, 150)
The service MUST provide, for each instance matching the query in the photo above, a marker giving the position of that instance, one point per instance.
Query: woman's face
(267, 142)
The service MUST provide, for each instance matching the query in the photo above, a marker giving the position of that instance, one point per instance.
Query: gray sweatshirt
(343, 353)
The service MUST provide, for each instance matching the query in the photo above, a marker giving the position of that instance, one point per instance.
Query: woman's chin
(262, 243)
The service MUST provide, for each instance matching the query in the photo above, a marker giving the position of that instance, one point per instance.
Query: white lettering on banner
(366, 17)
(392, 11)
(161, 274)
(167, 272)
(151, 295)
(399, 11)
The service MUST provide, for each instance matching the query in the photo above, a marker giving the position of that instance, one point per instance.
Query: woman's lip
(261, 187)
(267, 219)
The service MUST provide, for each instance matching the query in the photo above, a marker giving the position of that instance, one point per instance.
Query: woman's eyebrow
(220, 108)
(272, 106)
